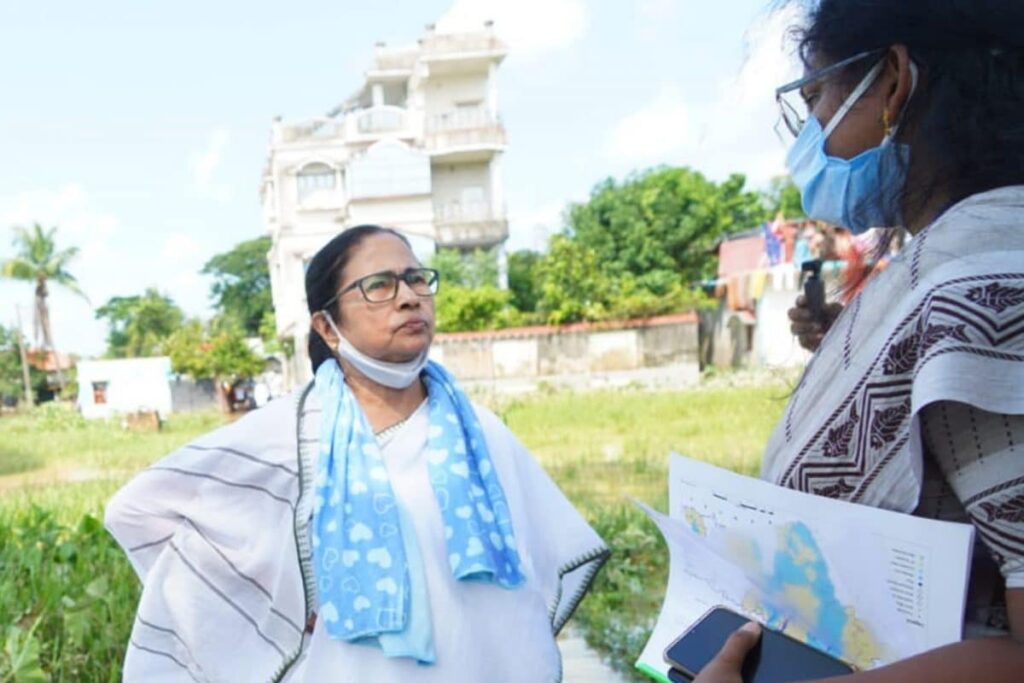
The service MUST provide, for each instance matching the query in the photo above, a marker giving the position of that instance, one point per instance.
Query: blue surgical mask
(852, 193)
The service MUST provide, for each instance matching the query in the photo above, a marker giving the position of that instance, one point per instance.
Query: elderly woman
(909, 114)
(378, 526)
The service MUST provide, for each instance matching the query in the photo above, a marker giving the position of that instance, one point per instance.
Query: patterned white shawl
(943, 322)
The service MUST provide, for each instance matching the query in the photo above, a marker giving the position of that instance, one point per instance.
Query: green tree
(241, 287)
(663, 221)
(450, 266)
(783, 196)
(460, 309)
(268, 333)
(11, 378)
(139, 325)
(478, 268)
(573, 284)
(212, 352)
(188, 348)
(628, 299)
(522, 279)
(218, 351)
(231, 358)
(39, 260)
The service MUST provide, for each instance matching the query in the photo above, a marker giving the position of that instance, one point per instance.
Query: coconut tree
(37, 259)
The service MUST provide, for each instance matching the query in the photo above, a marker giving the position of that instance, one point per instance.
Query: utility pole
(24, 359)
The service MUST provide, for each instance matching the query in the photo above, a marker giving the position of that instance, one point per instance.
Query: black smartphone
(776, 659)
(677, 676)
(814, 289)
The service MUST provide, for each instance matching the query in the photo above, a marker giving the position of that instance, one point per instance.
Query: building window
(99, 393)
(313, 178)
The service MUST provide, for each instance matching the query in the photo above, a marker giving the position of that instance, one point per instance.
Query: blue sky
(139, 128)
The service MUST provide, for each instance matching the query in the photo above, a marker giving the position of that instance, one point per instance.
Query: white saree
(218, 533)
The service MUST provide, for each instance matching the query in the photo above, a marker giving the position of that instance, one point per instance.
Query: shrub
(619, 612)
(68, 601)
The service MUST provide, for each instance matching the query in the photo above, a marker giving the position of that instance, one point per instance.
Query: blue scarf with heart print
(361, 539)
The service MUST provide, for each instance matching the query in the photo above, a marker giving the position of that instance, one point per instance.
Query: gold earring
(886, 123)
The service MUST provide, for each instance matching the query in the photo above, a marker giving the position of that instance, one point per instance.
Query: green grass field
(67, 595)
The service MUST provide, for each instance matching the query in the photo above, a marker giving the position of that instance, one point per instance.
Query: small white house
(125, 385)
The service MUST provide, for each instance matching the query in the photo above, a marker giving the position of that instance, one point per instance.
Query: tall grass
(67, 593)
(54, 437)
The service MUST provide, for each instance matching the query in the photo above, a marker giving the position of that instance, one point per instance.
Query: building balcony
(469, 226)
(461, 53)
(360, 125)
(398, 61)
(449, 45)
(465, 135)
(317, 130)
(380, 120)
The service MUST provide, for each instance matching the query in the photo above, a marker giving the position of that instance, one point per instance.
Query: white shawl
(217, 532)
(943, 322)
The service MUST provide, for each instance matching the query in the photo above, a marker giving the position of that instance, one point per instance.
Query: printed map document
(869, 586)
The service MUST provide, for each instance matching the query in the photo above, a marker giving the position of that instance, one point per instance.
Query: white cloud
(204, 166)
(657, 10)
(179, 246)
(532, 228)
(652, 132)
(190, 290)
(530, 27)
(733, 132)
(69, 206)
(69, 209)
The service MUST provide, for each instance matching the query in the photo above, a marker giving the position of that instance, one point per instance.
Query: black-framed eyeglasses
(793, 103)
(383, 286)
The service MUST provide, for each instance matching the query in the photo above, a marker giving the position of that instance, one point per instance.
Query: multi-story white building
(418, 148)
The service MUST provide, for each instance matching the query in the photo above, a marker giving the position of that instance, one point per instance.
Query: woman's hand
(727, 665)
(808, 330)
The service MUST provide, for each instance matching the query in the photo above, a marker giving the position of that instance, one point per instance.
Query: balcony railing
(454, 43)
(355, 126)
(464, 128)
(462, 119)
(383, 119)
(395, 61)
(469, 224)
(326, 129)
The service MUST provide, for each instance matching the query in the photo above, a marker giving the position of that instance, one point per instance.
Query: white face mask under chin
(393, 375)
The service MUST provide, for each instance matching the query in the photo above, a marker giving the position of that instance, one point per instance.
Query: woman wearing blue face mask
(911, 114)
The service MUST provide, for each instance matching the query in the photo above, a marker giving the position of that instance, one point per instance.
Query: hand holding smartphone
(777, 658)
(814, 289)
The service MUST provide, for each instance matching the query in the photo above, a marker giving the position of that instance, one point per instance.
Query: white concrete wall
(450, 180)
(389, 169)
(614, 350)
(133, 385)
(413, 215)
(283, 200)
(514, 357)
(442, 94)
(774, 343)
(557, 354)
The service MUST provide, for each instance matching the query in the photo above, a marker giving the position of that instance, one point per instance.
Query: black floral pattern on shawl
(976, 315)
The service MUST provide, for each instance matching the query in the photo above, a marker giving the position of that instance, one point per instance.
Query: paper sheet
(869, 586)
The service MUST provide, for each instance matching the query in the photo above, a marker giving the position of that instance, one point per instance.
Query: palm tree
(38, 260)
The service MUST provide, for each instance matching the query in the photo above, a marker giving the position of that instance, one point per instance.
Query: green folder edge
(652, 673)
